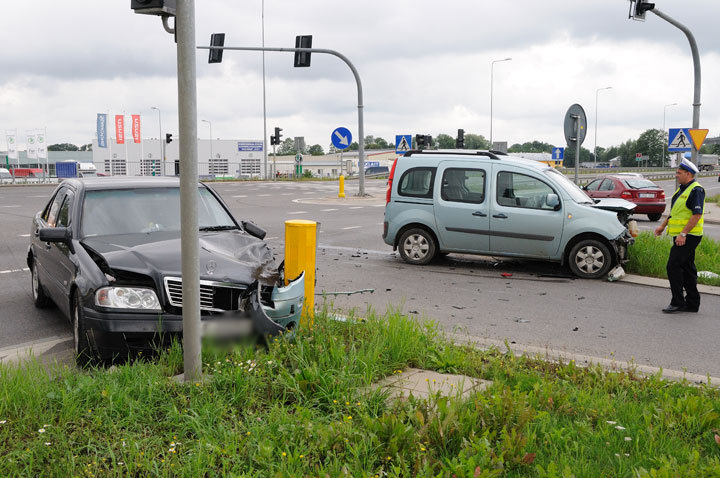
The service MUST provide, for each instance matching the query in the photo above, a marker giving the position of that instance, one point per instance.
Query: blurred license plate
(647, 195)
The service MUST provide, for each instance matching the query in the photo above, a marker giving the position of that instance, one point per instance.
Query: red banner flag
(136, 128)
(120, 129)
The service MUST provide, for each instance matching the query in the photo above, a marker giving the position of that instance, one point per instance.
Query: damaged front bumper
(621, 245)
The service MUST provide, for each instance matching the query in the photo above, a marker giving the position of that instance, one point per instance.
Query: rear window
(417, 183)
(640, 184)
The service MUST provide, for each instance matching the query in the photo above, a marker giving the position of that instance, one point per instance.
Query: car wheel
(83, 352)
(417, 246)
(590, 259)
(39, 298)
(655, 216)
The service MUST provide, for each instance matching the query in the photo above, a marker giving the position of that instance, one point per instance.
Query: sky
(425, 68)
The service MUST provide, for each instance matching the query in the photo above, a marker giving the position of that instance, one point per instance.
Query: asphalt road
(538, 305)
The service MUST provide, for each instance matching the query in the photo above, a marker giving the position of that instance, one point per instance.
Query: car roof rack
(455, 152)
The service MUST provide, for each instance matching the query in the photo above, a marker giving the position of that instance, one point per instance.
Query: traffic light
(276, 138)
(168, 138)
(460, 140)
(638, 9)
(302, 59)
(423, 141)
(164, 8)
(216, 39)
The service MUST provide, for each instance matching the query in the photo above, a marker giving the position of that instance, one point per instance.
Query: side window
(463, 185)
(64, 216)
(519, 190)
(52, 210)
(417, 182)
(593, 186)
(607, 185)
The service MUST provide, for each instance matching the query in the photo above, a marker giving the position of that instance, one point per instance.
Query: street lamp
(663, 131)
(596, 116)
(265, 154)
(492, 65)
(162, 143)
(211, 136)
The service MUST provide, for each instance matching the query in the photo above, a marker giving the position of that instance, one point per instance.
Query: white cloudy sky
(425, 67)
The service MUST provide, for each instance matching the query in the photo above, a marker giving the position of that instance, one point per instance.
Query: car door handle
(500, 216)
(479, 214)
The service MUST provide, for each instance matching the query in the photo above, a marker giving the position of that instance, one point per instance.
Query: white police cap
(688, 165)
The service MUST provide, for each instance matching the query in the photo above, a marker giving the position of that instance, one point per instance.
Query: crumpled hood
(225, 256)
(616, 205)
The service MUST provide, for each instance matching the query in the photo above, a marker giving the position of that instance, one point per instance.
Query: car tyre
(417, 246)
(590, 259)
(40, 299)
(654, 216)
(84, 355)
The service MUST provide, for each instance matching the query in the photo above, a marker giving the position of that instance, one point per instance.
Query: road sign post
(575, 128)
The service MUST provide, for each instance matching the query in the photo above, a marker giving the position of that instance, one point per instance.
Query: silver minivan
(480, 202)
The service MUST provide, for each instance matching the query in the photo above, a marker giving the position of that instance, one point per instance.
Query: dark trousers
(682, 273)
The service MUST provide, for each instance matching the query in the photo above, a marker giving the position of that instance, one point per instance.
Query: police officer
(685, 225)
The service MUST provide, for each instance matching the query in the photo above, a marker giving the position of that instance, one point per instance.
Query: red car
(649, 197)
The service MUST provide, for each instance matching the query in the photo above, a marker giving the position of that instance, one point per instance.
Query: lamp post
(492, 66)
(265, 154)
(162, 143)
(596, 121)
(211, 136)
(663, 130)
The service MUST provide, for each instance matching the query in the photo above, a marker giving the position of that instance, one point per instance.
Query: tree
(569, 161)
(383, 144)
(316, 150)
(354, 146)
(531, 147)
(652, 143)
(445, 141)
(287, 147)
(63, 147)
(476, 141)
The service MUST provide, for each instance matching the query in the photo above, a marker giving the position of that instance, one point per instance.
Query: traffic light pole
(361, 129)
(696, 67)
(190, 245)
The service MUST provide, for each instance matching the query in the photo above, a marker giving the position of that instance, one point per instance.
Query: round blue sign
(341, 138)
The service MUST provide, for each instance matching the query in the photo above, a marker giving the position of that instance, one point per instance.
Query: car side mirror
(253, 230)
(584, 188)
(553, 201)
(55, 234)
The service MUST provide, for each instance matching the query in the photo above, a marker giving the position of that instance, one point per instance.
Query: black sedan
(107, 252)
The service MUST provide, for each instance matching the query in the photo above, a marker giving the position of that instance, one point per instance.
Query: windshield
(640, 184)
(145, 210)
(576, 194)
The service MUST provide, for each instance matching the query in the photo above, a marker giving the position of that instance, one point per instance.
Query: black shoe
(671, 309)
(690, 309)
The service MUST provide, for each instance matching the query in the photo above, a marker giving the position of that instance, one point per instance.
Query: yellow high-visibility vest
(680, 214)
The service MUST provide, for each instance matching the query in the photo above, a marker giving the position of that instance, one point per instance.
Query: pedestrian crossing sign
(679, 140)
(403, 143)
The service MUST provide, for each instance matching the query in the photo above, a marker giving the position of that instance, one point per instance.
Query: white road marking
(240, 196)
(380, 223)
(378, 205)
(309, 192)
(264, 195)
(286, 194)
(298, 212)
(14, 270)
(11, 206)
(39, 196)
(23, 235)
(271, 238)
(328, 210)
(357, 207)
(351, 227)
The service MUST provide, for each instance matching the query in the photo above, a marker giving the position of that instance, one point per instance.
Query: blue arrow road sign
(558, 153)
(403, 143)
(679, 140)
(341, 138)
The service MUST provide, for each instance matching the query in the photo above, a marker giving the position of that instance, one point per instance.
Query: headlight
(127, 298)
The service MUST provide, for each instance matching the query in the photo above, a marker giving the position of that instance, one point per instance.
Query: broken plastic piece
(616, 274)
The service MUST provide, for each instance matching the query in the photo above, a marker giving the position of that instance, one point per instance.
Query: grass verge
(296, 409)
(648, 257)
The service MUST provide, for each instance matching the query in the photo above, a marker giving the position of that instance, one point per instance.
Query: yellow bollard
(300, 248)
(341, 194)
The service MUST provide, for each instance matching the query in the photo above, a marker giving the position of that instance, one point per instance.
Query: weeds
(301, 408)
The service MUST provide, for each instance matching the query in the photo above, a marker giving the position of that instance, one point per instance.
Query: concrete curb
(555, 355)
(663, 283)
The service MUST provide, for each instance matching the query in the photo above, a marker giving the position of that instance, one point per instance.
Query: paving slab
(424, 383)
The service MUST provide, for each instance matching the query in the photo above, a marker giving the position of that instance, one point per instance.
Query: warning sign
(698, 137)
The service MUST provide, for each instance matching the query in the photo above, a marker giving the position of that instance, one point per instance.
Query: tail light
(390, 181)
(626, 195)
(661, 195)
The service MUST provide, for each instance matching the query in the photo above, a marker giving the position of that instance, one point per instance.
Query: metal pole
(162, 142)
(187, 109)
(596, 122)
(664, 150)
(264, 102)
(361, 129)
(274, 165)
(696, 69)
(492, 66)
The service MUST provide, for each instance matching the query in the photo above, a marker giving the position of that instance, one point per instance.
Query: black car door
(61, 256)
(41, 250)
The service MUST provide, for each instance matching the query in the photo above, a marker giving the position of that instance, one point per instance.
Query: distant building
(541, 157)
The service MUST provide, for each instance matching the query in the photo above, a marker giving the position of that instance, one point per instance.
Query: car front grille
(214, 296)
